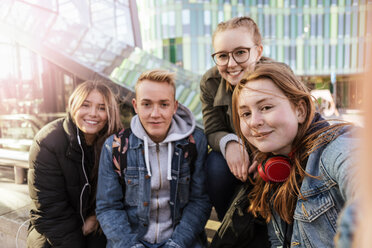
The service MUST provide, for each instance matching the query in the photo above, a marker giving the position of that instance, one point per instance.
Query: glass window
(326, 56)
(319, 58)
(186, 17)
(320, 25)
(26, 62)
(45, 4)
(347, 57)
(7, 60)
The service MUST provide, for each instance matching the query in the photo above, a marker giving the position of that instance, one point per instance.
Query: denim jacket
(124, 222)
(315, 219)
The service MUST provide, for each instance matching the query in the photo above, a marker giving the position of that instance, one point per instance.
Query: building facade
(49, 47)
(322, 40)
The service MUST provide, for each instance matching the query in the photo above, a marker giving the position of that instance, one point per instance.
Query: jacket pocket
(184, 189)
(185, 168)
(316, 218)
(131, 187)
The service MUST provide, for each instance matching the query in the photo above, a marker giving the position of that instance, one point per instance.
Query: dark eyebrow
(87, 101)
(239, 47)
(149, 100)
(258, 102)
(242, 107)
(263, 100)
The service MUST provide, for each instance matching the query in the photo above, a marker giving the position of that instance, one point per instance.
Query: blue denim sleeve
(110, 206)
(196, 213)
(346, 226)
(339, 161)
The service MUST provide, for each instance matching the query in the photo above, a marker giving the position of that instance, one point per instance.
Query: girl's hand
(90, 225)
(253, 169)
(237, 160)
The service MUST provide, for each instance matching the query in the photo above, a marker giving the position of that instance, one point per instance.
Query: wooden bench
(17, 159)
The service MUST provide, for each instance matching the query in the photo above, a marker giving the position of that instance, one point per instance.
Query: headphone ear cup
(262, 174)
(275, 169)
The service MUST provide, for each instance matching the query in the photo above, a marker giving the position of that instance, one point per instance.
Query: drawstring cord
(169, 174)
(147, 162)
(146, 143)
(19, 230)
(85, 175)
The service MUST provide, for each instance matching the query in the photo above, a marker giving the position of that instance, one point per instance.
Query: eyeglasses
(240, 55)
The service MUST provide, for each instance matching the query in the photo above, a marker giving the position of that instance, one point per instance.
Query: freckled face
(268, 120)
(227, 41)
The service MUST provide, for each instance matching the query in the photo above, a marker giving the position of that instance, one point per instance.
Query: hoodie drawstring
(169, 174)
(146, 143)
(147, 162)
(85, 175)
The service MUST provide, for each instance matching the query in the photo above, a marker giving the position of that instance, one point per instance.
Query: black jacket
(239, 228)
(56, 180)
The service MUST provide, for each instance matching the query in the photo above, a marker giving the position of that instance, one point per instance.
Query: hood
(182, 125)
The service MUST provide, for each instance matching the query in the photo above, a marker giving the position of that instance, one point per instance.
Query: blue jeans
(221, 183)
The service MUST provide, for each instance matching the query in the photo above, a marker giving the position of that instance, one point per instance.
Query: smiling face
(91, 116)
(229, 40)
(268, 120)
(155, 106)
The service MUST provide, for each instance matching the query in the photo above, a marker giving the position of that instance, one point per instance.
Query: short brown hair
(157, 75)
(236, 22)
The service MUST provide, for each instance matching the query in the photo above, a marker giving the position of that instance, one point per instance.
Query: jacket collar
(135, 142)
(223, 97)
(73, 149)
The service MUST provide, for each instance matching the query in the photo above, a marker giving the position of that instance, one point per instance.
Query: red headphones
(275, 169)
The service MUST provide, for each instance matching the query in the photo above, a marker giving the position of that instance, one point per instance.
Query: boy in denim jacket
(165, 202)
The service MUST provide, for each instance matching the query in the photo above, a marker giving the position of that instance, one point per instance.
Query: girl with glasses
(238, 48)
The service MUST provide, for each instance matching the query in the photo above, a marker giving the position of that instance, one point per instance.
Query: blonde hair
(284, 196)
(113, 124)
(157, 75)
(237, 22)
(112, 109)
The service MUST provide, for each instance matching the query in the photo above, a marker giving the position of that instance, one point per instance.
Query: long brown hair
(283, 197)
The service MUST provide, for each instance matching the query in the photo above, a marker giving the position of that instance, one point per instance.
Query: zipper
(157, 195)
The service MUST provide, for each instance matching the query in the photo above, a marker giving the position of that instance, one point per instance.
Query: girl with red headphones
(304, 162)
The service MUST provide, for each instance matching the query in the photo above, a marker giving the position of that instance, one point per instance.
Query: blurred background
(48, 47)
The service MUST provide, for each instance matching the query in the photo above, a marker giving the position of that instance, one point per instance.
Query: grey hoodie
(158, 159)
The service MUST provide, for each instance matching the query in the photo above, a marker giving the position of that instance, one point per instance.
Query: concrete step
(14, 210)
(13, 228)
